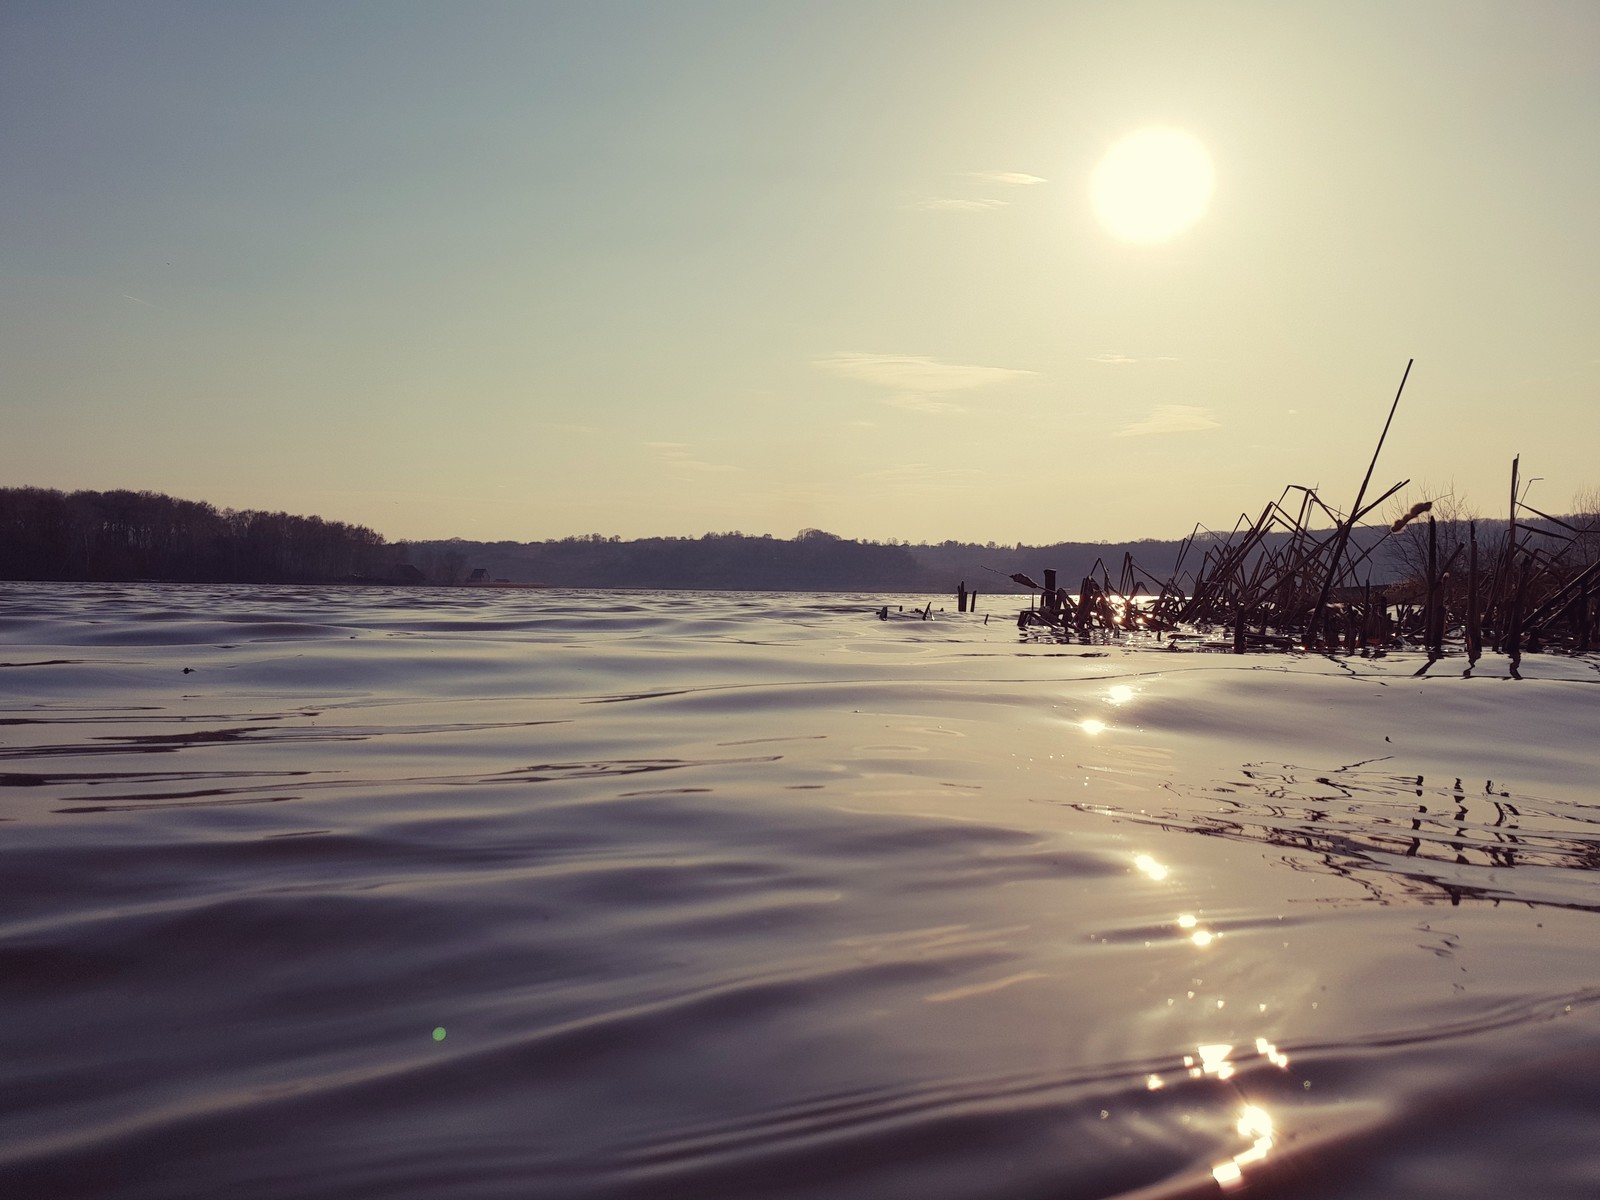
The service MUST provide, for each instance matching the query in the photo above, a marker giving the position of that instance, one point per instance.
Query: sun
(1152, 185)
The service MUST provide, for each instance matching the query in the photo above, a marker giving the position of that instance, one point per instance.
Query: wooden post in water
(1503, 585)
(1513, 636)
(1511, 530)
(1474, 630)
(1052, 605)
(1435, 621)
(961, 596)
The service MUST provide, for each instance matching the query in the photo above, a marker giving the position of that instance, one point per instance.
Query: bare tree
(1586, 519)
(1407, 550)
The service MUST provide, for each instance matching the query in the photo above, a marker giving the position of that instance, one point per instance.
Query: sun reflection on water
(1213, 1061)
(1217, 1060)
(1150, 867)
(1256, 1124)
(1191, 923)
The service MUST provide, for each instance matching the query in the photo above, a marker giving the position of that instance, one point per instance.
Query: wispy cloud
(913, 373)
(918, 384)
(1123, 360)
(1172, 418)
(679, 455)
(956, 204)
(921, 477)
(985, 180)
(912, 402)
(1005, 178)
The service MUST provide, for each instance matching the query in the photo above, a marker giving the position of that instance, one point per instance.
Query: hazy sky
(528, 270)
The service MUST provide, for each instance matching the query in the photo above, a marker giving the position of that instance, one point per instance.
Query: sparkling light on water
(1254, 1123)
(1150, 867)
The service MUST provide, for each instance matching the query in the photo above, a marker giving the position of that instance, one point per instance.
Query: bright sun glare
(1152, 185)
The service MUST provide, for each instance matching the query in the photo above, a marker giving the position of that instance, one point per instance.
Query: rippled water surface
(480, 894)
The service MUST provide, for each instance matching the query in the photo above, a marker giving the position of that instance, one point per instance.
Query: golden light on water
(1092, 726)
(1271, 1053)
(1254, 1123)
(1213, 1061)
(1150, 867)
(1120, 694)
(1191, 924)
(1152, 185)
(1216, 1060)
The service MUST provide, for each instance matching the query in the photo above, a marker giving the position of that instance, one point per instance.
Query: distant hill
(121, 535)
(813, 561)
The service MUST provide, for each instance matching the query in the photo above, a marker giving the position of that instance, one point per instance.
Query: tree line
(125, 535)
(812, 561)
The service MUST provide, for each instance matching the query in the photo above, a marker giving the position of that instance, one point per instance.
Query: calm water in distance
(468, 894)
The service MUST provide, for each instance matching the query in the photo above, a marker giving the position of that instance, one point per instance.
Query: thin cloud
(677, 454)
(977, 203)
(917, 384)
(912, 373)
(927, 404)
(956, 204)
(1123, 360)
(1172, 418)
(920, 476)
(1005, 178)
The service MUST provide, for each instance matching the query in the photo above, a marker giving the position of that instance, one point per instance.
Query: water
(474, 894)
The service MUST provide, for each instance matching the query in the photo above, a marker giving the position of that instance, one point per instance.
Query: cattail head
(1416, 510)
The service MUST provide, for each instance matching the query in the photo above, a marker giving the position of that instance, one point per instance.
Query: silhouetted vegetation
(1527, 581)
(122, 535)
(813, 561)
(1274, 581)
(1305, 575)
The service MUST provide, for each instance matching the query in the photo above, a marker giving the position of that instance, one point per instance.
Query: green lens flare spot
(438, 1034)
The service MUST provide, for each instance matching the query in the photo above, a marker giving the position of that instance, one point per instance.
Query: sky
(522, 271)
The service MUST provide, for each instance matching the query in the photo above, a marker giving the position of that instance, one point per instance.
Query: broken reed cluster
(1526, 587)
(1277, 583)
